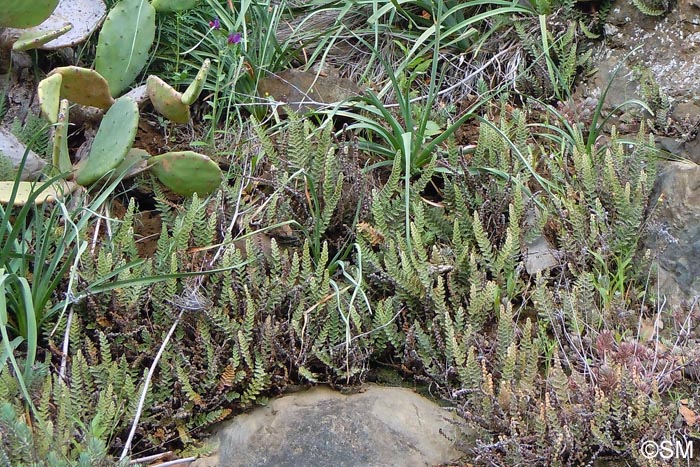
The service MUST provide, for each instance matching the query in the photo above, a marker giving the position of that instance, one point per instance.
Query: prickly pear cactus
(27, 192)
(186, 172)
(125, 38)
(195, 88)
(112, 141)
(49, 91)
(25, 13)
(165, 6)
(167, 101)
(33, 39)
(83, 86)
(61, 158)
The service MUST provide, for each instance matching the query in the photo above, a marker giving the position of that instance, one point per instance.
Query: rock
(304, 91)
(675, 237)
(381, 426)
(689, 10)
(209, 461)
(666, 45)
(539, 255)
(615, 75)
(12, 148)
(686, 110)
(689, 150)
(538, 252)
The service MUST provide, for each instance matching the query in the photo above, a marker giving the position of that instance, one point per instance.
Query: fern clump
(553, 61)
(298, 275)
(272, 314)
(314, 182)
(34, 133)
(7, 170)
(656, 99)
(652, 7)
(508, 348)
(71, 423)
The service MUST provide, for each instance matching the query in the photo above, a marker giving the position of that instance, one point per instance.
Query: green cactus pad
(187, 172)
(61, 158)
(49, 91)
(25, 13)
(166, 6)
(84, 86)
(33, 39)
(126, 36)
(195, 88)
(112, 141)
(26, 190)
(167, 101)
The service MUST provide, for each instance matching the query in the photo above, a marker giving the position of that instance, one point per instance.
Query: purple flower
(234, 38)
(215, 24)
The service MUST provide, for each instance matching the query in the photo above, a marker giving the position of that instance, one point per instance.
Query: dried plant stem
(147, 383)
(186, 460)
(156, 457)
(152, 458)
(64, 350)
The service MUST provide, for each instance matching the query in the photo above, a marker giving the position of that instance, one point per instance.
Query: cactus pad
(35, 38)
(26, 190)
(84, 86)
(25, 13)
(49, 91)
(61, 158)
(186, 172)
(167, 101)
(166, 6)
(126, 36)
(195, 88)
(112, 142)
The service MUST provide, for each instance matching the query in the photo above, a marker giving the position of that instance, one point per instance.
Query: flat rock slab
(381, 426)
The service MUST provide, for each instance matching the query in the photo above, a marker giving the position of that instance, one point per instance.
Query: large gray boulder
(675, 233)
(381, 426)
